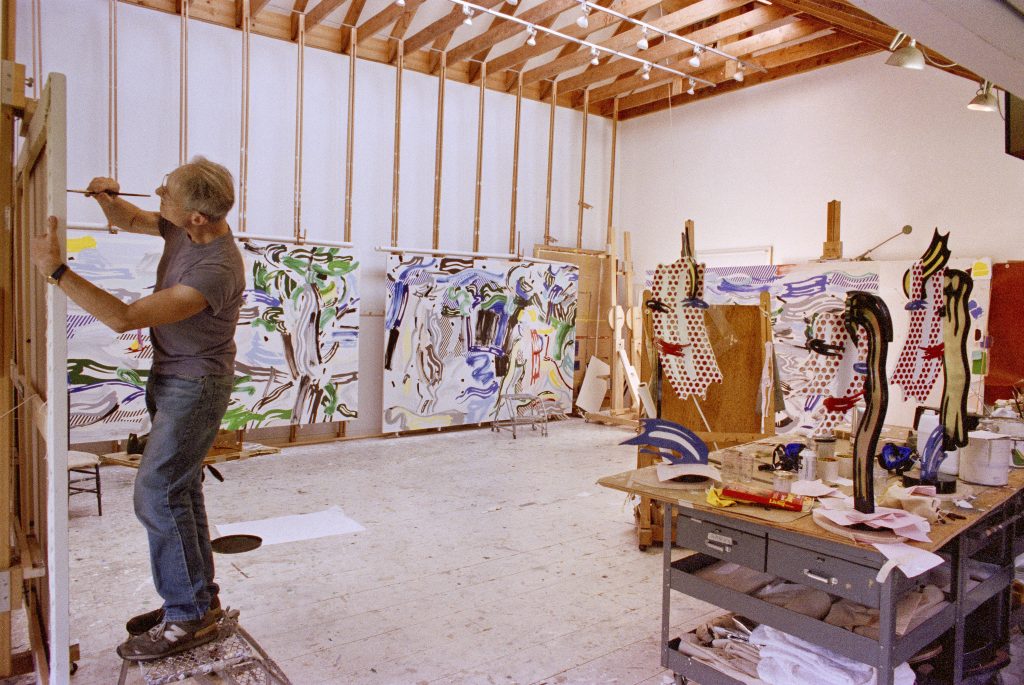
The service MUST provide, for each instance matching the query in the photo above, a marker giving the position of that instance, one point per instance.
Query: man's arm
(120, 212)
(173, 304)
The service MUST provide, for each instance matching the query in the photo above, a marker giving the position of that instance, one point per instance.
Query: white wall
(75, 43)
(758, 167)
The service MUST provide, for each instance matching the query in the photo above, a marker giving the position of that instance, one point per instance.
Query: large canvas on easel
(297, 337)
(461, 332)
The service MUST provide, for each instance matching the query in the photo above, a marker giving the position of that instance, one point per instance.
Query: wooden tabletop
(985, 499)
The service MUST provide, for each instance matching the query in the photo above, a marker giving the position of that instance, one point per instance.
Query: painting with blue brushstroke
(297, 337)
(462, 332)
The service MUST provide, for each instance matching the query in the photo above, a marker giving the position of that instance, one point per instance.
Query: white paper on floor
(296, 527)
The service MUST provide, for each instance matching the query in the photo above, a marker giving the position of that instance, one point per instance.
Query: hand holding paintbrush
(107, 186)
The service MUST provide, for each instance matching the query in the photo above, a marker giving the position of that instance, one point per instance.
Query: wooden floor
(484, 560)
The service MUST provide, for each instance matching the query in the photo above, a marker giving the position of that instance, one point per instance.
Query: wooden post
(399, 68)
(611, 176)
(182, 87)
(479, 157)
(689, 239)
(583, 169)
(832, 248)
(442, 74)
(634, 314)
(515, 164)
(616, 319)
(350, 136)
(300, 235)
(551, 158)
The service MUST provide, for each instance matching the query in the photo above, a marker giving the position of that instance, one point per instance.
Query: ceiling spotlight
(594, 54)
(695, 60)
(646, 73)
(532, 33)
(642, 44)
(582, 20)
(512, 2)
(984, 100)
(468, 21)
(400, 3)
(909, 57)
(738, 76)
(692, 84)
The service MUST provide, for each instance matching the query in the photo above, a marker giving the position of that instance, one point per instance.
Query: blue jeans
(186, 413)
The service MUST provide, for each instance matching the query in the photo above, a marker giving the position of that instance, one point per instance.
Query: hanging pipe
(399, 67)
(479, 157)
(551, 159)
(583, 169)
(515, 164)
(350, 146)
(300, 235)
(442, 75)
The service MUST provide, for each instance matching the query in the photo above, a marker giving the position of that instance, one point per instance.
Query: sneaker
(168, 638)
(137, 625)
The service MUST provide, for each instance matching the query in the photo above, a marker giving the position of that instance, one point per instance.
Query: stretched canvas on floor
(462, 333)
(297, 337)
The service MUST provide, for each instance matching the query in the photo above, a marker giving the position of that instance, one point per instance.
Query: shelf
(692, 669)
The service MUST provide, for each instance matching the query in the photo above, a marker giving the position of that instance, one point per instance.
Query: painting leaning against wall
(297, 338)
(460, 333)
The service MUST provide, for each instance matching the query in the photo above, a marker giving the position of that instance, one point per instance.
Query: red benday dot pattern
(918, 368)
(696, 368)
(834, 378)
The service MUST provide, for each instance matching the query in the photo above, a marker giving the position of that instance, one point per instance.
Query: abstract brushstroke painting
(461, 332)
(297, 337)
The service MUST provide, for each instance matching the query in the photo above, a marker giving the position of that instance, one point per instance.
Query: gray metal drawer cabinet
(823, 572)
(721, 542)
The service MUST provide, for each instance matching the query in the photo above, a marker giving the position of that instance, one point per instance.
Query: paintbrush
(110, 192)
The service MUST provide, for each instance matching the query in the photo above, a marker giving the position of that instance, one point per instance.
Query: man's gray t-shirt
(203, 344)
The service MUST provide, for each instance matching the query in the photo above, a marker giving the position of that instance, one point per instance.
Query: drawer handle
(820, 579)
(718, 548)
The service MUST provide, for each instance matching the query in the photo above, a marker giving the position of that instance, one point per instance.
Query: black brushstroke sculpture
(956, 373)
(867, 311)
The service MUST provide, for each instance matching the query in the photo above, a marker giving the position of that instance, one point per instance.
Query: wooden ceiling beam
(298, 8)
(503, 29)
(760, 41)
(257, 6)
(351, 19)
(446, 24)
(853, 51)
(547, 43)
(569, 48)
(383, 19)
(669, 48)
(398, 33)
(320, 12)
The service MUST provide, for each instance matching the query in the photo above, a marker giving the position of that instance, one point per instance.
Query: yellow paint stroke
(980, 269)
(76, 245)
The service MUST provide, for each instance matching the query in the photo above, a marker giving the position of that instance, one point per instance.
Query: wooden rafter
(568, 49)
(502, 29)
(441, 44)
(854, 51)
(320, 12)
(546, 43)
(256, 6)
(383, 19)
(351, 19)
(444, 25)
(712, 69)
(626, 42)
(398, 33)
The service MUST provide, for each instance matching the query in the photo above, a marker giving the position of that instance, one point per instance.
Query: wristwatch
(54, 278)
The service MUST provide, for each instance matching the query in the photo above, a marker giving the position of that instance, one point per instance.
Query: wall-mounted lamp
(984, 100)
(909, 57)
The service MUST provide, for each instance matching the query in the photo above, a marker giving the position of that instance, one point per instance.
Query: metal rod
(479, 157)
(297, 198)
(515, 164)
(183, 87)
(578, 41)
(439, 152)
(399, 68)
(611, 174)
(394, 249)
(551, 159)
(112, 92)
(349, 145)
(583, 168)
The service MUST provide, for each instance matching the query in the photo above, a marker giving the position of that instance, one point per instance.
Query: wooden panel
(1006, 363)
(593, 334)
(735, 332)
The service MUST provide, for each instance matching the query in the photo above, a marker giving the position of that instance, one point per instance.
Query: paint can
(828, 470)
(808, 465)
(845, 462)
(986, 459)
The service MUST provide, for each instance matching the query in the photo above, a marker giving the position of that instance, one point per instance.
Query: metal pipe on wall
(479, 157)
(583, 169)
(399, 67)
(442, 75)
(349, 145)
(515, 164)
(551, 160)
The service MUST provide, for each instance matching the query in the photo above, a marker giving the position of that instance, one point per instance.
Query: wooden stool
(88, 465)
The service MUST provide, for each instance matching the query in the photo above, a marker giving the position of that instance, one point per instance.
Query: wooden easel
(832, 248)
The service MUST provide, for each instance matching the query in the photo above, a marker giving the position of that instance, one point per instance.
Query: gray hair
(205, 187)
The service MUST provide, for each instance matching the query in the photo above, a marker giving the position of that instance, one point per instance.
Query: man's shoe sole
(203, 636)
